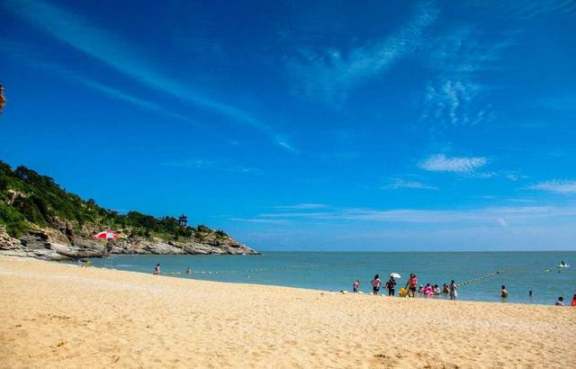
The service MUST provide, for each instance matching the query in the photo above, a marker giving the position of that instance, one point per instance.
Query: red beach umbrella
(106, 235)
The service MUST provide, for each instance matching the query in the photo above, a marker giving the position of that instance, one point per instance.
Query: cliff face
(49, 244)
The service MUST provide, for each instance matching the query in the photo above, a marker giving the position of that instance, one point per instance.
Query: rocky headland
(50, 244)
(40, 219)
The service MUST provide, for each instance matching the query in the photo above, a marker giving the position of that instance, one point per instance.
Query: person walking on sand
(376, 284)
(453, 290)
(412, 285)
(504, 292)
(356, 286)
(157, 269)
(391, 286)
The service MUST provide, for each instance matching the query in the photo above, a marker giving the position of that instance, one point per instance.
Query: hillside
(39, 218)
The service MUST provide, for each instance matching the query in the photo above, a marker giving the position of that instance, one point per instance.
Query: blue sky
(306, 125)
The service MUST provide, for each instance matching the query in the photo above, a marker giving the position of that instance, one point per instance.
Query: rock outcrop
(50, 244)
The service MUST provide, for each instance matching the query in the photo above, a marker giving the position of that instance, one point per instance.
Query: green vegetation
(28, 199)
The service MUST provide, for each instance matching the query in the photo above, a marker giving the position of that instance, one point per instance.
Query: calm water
(519, 271)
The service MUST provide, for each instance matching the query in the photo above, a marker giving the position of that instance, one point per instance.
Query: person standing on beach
(376, 284)
(504, 292)
(157, 269)
(412, 285)
(453, 290)
(356, 286)
(391, 285)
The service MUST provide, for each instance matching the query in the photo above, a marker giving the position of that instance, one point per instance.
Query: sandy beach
(63, 316)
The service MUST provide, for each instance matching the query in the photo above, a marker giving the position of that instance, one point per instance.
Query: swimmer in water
(504, 292)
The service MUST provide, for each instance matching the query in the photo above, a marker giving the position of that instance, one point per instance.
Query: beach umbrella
(395, 275)
(106, 235)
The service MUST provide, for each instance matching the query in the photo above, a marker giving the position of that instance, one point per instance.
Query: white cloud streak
(443, 163)
(502, 216)
(203, 164)
(329, 75)
(303, 206)
(399, 183)
(557, 186)
(98, 43)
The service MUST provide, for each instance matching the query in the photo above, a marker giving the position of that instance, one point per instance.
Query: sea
(479, 275)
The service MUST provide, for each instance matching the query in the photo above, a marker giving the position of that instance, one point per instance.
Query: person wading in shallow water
(376, 284)
(391, 285)
(411, 285)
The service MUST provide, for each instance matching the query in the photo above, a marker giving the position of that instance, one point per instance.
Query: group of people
(411, 288)
(429, 290)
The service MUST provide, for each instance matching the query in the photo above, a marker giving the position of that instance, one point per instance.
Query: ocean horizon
(479, 275)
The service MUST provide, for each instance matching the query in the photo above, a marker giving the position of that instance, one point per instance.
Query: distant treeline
(28, 198)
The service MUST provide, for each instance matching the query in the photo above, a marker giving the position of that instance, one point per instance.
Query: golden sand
(62, 316)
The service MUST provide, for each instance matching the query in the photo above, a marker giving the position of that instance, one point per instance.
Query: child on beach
(376, 283)
(503, 292)
(356, 286)
(157, 269)
(412, 285)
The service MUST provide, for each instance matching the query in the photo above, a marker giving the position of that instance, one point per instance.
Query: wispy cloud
(330, 74)
(77, 32)
(490, 215)
(399, 183)
(443, 163)
(19, 53)
(303, 206)
(204, 164)
(453, 96)
(557, 186)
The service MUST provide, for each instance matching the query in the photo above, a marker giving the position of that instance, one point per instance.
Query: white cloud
(399, 183)
(558, 186)
(443, 163)
(330, 74)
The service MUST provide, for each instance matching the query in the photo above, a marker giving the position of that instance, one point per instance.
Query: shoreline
(63, 316)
